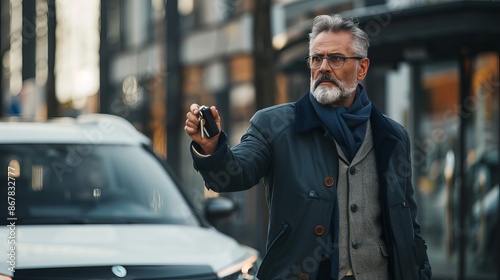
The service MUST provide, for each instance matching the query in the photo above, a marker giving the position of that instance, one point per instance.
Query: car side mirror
(218, 208)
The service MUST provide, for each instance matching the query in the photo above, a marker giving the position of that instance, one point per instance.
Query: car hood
(97, 245)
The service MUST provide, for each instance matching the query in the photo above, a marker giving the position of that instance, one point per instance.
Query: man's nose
(325, 67)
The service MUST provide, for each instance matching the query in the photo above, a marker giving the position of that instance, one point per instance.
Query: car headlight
(243, 270)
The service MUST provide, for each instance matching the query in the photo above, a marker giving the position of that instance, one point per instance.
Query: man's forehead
(332, 42)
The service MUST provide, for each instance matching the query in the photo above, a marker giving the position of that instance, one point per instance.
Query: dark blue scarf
(346, 125)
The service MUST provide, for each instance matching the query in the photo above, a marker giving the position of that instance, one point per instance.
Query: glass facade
(482, 168)
(458, 205)
(435, 147)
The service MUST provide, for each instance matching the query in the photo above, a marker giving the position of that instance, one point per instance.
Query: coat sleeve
(241, 167)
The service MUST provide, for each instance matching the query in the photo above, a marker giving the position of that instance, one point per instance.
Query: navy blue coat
(287, 146)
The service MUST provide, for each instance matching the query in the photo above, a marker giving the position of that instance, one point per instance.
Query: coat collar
(382, 128)
(306, 119)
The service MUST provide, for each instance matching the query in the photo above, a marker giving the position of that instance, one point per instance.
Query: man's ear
(364, 64)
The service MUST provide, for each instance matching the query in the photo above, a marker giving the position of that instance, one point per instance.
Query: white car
(86, 198)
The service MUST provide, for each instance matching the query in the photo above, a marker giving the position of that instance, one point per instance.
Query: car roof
(84, 129)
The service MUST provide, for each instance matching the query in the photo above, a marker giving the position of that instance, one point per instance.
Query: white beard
(327, 95)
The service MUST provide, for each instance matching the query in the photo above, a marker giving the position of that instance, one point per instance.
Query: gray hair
(337, 23)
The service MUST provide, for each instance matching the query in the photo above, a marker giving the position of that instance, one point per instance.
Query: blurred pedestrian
(337, 172)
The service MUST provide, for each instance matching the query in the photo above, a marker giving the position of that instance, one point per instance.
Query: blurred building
(133, 65)
(434, 68)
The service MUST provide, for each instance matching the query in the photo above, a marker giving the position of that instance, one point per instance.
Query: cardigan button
(319, 230)
(328, 181)
(354, 207)
(355, 244)
(352, 170)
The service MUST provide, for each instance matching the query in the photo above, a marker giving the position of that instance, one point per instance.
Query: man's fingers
(189, 130)
(191, 124)
(192, 118)
(215, 113)
(194, 108)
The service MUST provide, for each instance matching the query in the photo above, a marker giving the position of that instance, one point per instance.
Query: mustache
(324, 77)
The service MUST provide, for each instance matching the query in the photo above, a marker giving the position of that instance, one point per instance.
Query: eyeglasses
(334, 61)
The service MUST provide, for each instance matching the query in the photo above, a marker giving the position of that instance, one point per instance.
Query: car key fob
(208, 126)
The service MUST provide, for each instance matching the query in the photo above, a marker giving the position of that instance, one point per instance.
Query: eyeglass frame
(328, 57)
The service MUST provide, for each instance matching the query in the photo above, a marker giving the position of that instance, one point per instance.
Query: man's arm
(225, 169)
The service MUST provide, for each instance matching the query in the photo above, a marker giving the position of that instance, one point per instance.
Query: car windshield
(94, 184)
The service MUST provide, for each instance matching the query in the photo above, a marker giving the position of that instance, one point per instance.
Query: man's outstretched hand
(192, 129)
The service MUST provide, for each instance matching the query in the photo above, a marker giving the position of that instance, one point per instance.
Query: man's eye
(316, 59)
(335, 58)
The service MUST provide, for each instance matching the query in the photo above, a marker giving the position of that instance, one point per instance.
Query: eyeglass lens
(335, 62)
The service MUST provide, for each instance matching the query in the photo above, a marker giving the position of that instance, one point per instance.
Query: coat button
(355, 244)
(304, 276)
(354, 207)
(319, 230)
(328, 181)
(352, 170)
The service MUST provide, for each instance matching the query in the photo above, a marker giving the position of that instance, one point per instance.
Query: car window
(60, 184)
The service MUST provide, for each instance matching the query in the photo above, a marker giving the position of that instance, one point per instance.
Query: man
(337, 172)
